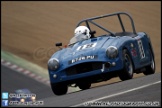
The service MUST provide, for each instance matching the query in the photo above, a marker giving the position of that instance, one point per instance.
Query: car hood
(91, 47)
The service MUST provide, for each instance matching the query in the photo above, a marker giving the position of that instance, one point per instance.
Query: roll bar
(90, 20)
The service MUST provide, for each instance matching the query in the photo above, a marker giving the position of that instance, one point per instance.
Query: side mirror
(58, 45)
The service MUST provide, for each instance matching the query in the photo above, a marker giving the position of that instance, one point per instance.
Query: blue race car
(89, 59)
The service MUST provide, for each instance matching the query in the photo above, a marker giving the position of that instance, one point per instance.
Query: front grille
(83, 67)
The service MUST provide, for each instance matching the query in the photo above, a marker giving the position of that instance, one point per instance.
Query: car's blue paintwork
(138, 45)
(103, 42)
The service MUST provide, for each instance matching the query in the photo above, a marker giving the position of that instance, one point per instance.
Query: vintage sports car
(91, 59)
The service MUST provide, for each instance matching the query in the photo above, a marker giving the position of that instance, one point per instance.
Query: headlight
(112, 52)
(53, 64)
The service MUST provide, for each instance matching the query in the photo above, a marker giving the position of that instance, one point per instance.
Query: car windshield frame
(78, 38)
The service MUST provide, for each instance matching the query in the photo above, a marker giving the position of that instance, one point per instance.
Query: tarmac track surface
(12, 80)
(146, 88)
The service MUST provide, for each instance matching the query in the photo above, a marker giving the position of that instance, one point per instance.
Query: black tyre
(59, 89)
(84, 85)
(150, 69)
(127, 71)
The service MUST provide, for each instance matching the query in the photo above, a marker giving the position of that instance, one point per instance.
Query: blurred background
(30, 29)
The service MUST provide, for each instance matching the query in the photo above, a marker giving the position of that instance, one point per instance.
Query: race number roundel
(91, 45)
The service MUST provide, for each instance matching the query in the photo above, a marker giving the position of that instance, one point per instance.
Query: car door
(143, 51)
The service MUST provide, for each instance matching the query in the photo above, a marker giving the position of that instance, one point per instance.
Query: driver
(82, 33)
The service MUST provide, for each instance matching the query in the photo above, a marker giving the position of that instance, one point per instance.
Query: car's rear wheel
(150, 69)
(84, 85)
(127, 71)
(59, 89)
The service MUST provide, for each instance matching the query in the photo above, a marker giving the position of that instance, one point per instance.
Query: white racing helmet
(82, 31)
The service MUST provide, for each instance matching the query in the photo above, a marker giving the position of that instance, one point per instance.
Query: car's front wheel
(59, 89)
(127, 71)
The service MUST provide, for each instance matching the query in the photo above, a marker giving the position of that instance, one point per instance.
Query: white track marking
(32, 75)
(7, 63)
(105, 97)
(2, 60)
(19, 69)
(38, 77)
(13, 66)
(26, 72)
